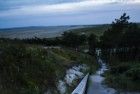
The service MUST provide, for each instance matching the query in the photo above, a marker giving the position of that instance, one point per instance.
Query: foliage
(124, 76)
(30, 69)
(92, 42)
(122, 39)
(112, 36)
(72, 39)
(25, 68)
(44, 41)
(121, 48)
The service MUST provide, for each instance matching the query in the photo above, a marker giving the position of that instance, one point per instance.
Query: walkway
(95, 82)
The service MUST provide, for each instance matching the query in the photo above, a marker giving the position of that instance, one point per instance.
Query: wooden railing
(81, 88)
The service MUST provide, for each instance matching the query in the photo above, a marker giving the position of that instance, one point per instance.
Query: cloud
(44, 9)
(62, 8)
(83, 12)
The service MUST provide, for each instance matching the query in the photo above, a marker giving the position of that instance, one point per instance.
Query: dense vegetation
(69, 39)
(25, 70)
(32, 69)
(121, 48)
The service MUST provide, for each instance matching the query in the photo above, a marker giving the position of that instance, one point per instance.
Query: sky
(21, 13)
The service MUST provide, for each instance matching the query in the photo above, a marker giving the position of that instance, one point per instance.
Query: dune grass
(30, 69)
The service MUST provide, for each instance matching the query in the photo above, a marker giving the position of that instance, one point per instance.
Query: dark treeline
(122, 39)
(120, 46)
(43, 41)
(71, 39)
(68, 39)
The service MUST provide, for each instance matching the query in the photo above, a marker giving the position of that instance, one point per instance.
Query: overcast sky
(20, 13)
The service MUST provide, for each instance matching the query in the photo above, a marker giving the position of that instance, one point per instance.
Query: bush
(134, 73)
(120, 68)
(23, 67)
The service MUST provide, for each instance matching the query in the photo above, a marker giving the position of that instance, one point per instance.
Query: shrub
(23, 67)
(120, 68)
(134, 72)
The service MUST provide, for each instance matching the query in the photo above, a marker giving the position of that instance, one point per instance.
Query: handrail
(81, 88)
